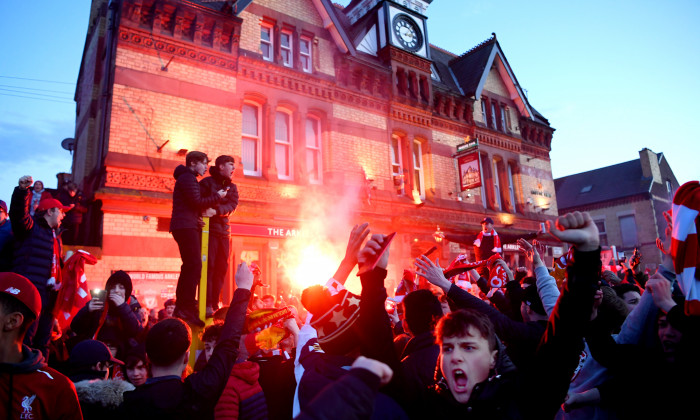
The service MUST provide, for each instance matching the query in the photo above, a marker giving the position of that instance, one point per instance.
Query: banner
(469, 170)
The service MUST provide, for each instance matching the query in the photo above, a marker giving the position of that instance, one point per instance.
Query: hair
(167, 341)
(212, 333)
(10, 305)
(195, 156)
(532, 299)
(223, 159)
(623, 288)
(70, 186)
(457, 323)
(269, 297)
(422, 310)
(169, 302)
(612, 310)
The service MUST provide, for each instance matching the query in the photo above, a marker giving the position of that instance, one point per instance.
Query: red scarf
(496, 240)
(74, 293)
(55, 262)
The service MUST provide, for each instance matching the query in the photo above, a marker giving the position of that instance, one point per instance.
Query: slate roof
(470, 66)
(609, 183)
(441, 59)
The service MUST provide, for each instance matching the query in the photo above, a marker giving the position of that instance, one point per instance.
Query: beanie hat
(334, 318)
(120, 277)
(532, 299)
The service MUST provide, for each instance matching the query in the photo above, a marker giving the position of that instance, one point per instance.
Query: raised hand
(25, 182)
(660, 289)
(244, 277)
(372, 247)
(357, 237)
(383, 371)
(576, 228)
(432, 272)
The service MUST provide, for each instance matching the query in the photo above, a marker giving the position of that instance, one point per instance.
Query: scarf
(496, 240)
(55, 278)
(684, 243)
(497, 275)
(74, 293)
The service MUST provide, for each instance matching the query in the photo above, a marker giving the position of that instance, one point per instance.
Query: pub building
(334, 114)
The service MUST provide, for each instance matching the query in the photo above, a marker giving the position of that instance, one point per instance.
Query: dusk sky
(611, 77)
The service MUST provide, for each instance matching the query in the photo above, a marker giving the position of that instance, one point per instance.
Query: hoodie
(31, 389)
(243, 397)
(188, 203)
(219, 224)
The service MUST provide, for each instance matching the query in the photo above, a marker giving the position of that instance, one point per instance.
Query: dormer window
(433, 73)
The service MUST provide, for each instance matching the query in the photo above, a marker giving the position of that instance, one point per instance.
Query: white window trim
(315, 149)
(503, 118)
(309, 55)
(483, 112)
(483, 184)
(496, 185)
(258, 140)
(290, 48)
(511, 186)
(418, 166)
(494, 121)
(289, 143)
(268, 26)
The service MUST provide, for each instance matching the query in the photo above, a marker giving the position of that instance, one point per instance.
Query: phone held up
(98, 294)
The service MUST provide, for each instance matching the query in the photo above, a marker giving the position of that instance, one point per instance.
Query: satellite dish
(68, 143)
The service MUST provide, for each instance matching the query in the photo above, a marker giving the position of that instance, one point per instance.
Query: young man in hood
(186, 226)
(28, 387)
(219, 230)
(37, 254)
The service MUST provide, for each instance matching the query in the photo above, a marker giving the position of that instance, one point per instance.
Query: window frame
(289, 144)
(309, 56)
(317, 150)
(271, 42)
(503, 119)
(418, 170)
(257, 138)
(397, 161)
(511, 185)
(288, 49)
(622, 231)
(496, 185)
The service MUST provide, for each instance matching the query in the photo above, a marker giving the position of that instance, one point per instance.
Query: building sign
(266, 231)
(153, 288)
(467, 146)
(511, 247)
(469, 170)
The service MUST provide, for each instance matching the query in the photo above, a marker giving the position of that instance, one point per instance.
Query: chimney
(650, 165)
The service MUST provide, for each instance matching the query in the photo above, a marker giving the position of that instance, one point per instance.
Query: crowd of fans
(484, 341)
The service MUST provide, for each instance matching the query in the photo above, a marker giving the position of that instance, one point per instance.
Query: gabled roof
(599, 185)
(473, 67)
(441, 59)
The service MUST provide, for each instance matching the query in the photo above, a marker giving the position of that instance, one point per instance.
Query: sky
(611, 77)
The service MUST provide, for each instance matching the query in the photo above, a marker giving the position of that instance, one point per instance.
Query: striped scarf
(496, 240)
(684, 243)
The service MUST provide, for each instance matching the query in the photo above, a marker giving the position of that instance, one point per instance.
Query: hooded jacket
(243, 397)
(188, 203)
(120, 322)
(100, 398)
(33, 255)
(31, 389)
(219, 224)
(537, 390)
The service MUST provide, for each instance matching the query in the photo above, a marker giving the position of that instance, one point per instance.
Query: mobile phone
(98, 294)
(369, 265)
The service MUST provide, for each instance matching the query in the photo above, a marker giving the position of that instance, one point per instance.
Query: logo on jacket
(13, 290)
(27, 405)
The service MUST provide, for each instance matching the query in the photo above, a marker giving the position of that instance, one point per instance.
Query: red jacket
(32, 390)
(243, 397)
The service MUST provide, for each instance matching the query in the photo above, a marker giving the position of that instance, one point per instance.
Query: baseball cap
(20, 288)
(49, 203)
(3, 206)
(486, 220)
(89, 352)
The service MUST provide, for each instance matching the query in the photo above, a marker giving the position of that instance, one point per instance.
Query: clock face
(407, 33)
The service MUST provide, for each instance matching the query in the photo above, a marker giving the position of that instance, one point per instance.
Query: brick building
(626, 202)
(335, 115)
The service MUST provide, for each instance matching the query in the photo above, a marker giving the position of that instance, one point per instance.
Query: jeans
(219, 252)
(189, 241)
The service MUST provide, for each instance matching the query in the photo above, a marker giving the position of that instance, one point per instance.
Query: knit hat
(120, 277)
(20, 288)
(486, 220)
(334, 318)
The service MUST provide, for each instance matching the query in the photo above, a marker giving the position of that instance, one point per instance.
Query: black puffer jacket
(227, 206)
(33, 254)
(188, 203)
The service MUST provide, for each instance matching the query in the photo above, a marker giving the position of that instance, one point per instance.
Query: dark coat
(73, 216)
(538, 390)
(7, 244)
(219, 225)
(120, 323)
(194, 398)
(419, 360)
(188, 203)
(33, 256)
